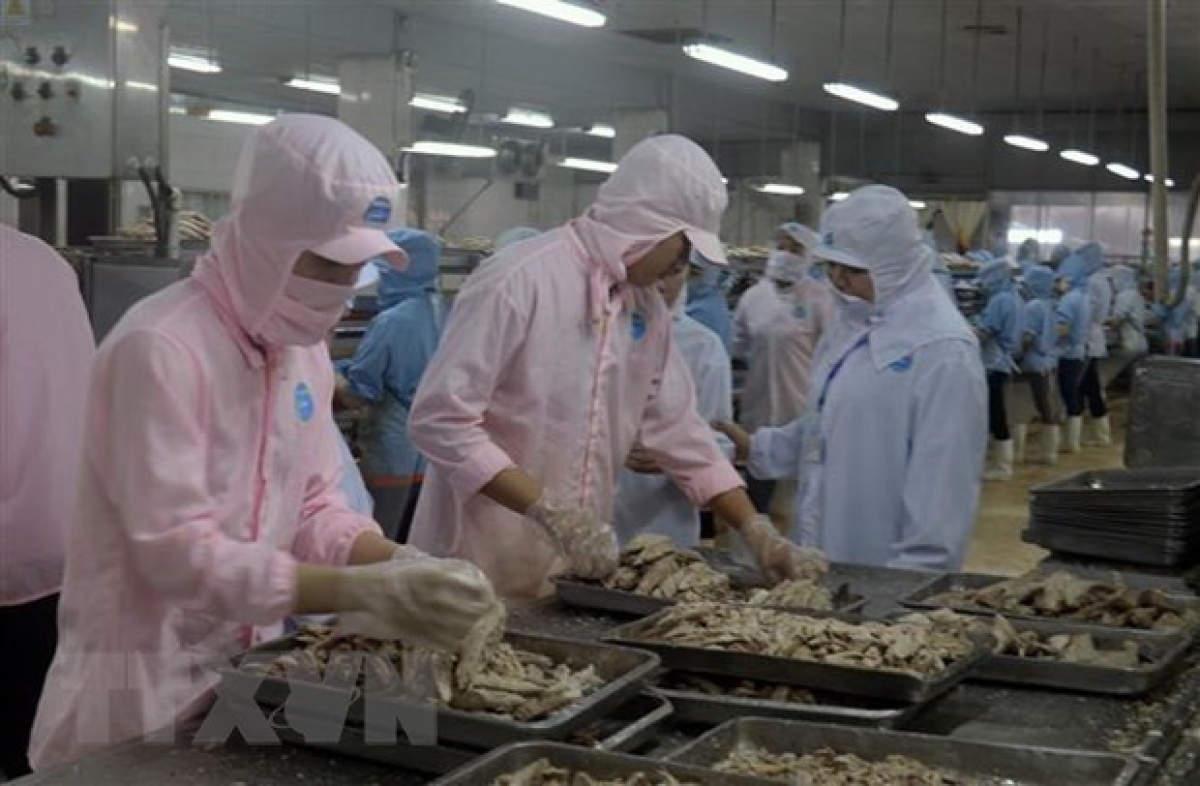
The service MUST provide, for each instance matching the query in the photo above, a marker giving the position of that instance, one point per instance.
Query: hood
(1028, 251)
(876, 228)
(303, 182)
(1040, 281)
(663, 185)
(1059, 254)
(787, 267)
(800, 233)
(1124, 278)
(1080, 266)
(419, 278)
(513, 236)
(995, 277)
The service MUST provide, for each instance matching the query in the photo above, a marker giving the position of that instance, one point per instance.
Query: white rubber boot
(1050, 439)
(1001, 467)
(1101, 434)
(1074, 432)
(1020, 437)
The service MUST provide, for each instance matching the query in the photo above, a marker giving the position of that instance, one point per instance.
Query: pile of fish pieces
(652, 565)
(827, 767)
(1069, 648)
(743, 689)
(504, 681)
(1064, 596)
(543, 773)
(901, 647)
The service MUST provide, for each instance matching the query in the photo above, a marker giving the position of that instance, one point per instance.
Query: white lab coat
(652, 503)
(1100, 302)
(757, 307)
(889, 467)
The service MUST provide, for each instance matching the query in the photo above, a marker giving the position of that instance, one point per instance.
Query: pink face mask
(305, 312)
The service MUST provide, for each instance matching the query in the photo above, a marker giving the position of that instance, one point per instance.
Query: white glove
(424, 601)
(778, 558)
(589, 546)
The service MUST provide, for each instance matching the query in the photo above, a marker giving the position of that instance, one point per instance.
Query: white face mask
(305, 313)
(852, 308)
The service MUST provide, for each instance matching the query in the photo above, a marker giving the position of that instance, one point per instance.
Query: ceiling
(1094, 53)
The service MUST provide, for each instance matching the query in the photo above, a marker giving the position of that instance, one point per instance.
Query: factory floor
(1004, 507)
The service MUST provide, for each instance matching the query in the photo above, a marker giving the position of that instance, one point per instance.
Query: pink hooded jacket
(46, 349)
(552, 362)
(209, 469)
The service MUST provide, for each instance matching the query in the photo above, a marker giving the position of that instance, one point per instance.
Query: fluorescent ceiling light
(860, 96)
(588, 165)
(917, 204)
(437, 103)
(326, 86)
(954, 123)
(244, 118)
(735, 62)
(1080, 157)
(564, 12)
(1121, 170)
(1168, 182)
(195, 63)
(451, 149)
(528, 117)
(123, 26)
(149, 88)
(177, 110)
(1027, 143)
(781, 189)
(838, 196)
(602, 130)
(1177, 242)
(1049, 237)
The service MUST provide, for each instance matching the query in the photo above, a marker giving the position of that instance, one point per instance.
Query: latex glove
(778, 558)
(738, 436)
(424, 601)
(640, 461)
(588, 545)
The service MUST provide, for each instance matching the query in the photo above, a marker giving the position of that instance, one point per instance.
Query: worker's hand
(640, 461)
(738, 436)
(778, 558)
(343, 396)
(423, 601)
(590, 546)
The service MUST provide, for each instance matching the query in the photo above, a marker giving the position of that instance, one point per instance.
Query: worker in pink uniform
(209, 504)
(46, 349)
(556, 361)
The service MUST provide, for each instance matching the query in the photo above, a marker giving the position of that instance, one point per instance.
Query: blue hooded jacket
(392, 357)
(1040, 338)
(707, 305)
(1073, 309)
(1001, 320)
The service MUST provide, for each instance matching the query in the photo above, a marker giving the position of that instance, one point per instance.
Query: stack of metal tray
(1145, 516)
(596, 764)
(978, 763)
(1163, 428)
(707, 709)
(1161, 655)
(921, 598)
(625, 672)
(851, 680)
(590, 595)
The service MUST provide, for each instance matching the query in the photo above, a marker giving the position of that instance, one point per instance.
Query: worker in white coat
(1100, 304)
(890, 452)
(647, 500)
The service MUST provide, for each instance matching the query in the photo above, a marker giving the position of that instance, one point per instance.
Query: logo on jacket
(379, 212)
(302, 398)
(901, 365)
(637, 326)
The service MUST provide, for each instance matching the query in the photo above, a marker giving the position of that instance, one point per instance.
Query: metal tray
(598, 764)
(851, 680)
(585, 595)
(1166, 653)
(1163, 429)
(708, 710)
(1120, 484)
(981, 763)
(627, 729)
(624, 670)
(1165, 553)
(956, 582)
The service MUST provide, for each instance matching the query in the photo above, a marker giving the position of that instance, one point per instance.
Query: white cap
(873, 225)
(800, 233)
